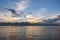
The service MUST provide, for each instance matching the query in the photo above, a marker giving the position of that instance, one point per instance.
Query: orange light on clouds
(8, 19)
(55, 16)
(34, 20)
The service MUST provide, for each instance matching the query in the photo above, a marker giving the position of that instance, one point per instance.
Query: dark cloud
(53, 20)
(13, 12)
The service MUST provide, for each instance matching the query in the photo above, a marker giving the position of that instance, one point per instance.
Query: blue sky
(41, 8)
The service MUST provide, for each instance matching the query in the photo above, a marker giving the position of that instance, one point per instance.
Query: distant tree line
(26, 24)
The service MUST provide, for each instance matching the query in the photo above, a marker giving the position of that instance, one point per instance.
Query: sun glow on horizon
(35, 20)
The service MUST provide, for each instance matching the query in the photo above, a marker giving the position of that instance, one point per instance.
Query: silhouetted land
(28, 24)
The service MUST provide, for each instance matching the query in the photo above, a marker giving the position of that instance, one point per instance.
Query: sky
(29, 10)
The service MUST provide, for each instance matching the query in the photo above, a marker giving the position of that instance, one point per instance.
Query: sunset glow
(32, 11)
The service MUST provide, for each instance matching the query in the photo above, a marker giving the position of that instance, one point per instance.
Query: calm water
(30, 33)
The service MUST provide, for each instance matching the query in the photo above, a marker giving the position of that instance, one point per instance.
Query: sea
(29, 32)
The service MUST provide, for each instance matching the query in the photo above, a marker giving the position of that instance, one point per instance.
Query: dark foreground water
(29, 32)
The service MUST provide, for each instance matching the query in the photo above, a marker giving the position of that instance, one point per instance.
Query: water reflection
(29, 33)
(34, 31)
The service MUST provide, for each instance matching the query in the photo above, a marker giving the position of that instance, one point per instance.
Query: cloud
(22, 5)
(7, 18)
(55, 19)
(28, 15)
(19, 8)
(42, 11)
(34, 20)
(5, 13)
(55, 16)
(13, 12)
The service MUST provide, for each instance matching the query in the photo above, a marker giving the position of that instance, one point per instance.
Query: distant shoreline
(28, 24)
